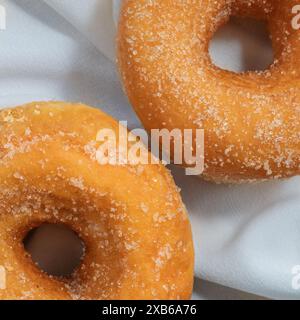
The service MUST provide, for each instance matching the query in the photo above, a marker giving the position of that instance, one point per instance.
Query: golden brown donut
(251, 120)
(137, 236)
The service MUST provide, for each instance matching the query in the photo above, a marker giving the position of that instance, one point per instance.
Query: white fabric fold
(93, 18)
(246, 237)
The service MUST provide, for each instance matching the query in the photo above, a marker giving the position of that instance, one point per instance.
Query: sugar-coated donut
(137, 236)
(251, 120)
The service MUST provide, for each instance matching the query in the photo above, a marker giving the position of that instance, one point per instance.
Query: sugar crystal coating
(251, 120)
(49, 174)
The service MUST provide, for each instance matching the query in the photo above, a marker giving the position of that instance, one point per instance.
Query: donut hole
(55, 249)
(241, 45)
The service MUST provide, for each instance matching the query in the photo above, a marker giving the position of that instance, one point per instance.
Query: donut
(251, 120)
(131, 219)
